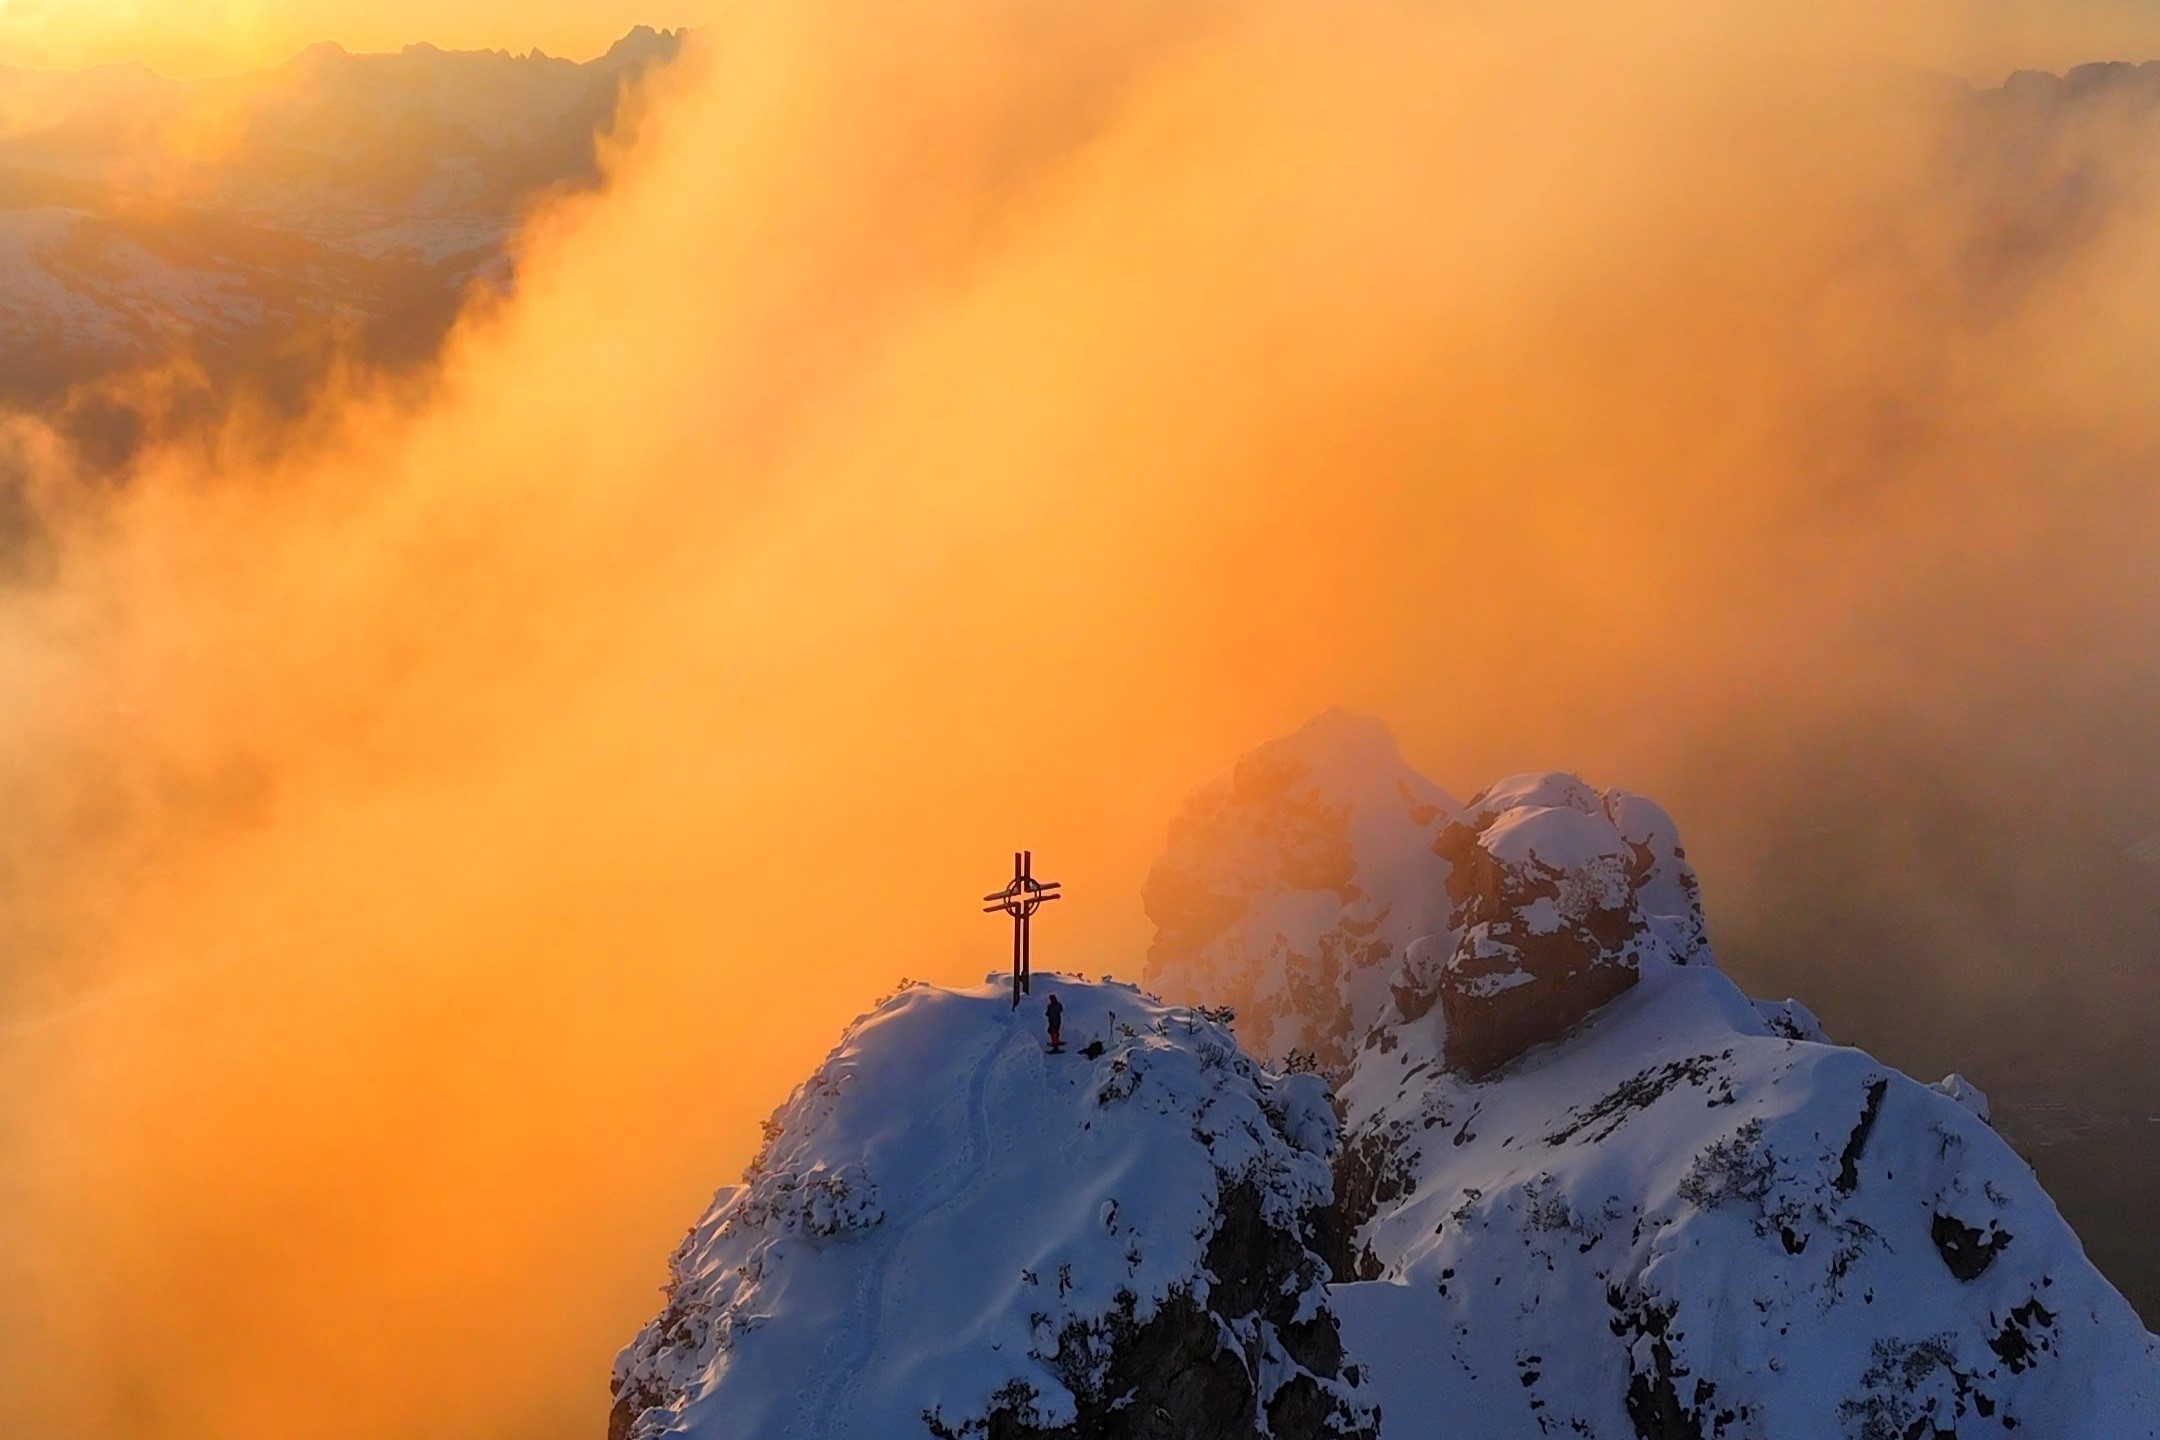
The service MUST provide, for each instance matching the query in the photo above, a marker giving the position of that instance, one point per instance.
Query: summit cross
(1021, 898)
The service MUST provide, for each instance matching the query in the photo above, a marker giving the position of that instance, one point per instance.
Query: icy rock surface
(1644, 1205)
(951, 1232)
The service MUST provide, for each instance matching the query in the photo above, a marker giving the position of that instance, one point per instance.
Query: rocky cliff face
(951, 1233)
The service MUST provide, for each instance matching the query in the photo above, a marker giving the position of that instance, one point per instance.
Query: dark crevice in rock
(1372, 1171)
(1848, 1178)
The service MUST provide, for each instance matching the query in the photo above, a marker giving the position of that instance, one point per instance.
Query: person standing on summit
(1054, 1012)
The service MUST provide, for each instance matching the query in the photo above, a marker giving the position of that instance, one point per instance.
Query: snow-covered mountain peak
(1588, 1187)
(951, 1231)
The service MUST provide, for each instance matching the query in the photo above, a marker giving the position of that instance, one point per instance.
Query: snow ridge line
(875, 1291)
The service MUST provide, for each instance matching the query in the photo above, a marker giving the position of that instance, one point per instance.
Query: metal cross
(1020, 899)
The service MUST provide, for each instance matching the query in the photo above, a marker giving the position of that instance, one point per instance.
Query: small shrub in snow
(1738, 1167)
(819, 1203)
(1911, 1388)
(1302, 1110)
(1119, 1084)
(1547, 1210)
(896, 992)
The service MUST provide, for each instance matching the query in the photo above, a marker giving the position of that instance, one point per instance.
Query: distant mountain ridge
(240, 234)
(255, 226)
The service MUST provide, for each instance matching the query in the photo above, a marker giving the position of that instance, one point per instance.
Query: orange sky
(1979, 38)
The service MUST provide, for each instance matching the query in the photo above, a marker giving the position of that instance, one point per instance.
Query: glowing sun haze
(961, 424)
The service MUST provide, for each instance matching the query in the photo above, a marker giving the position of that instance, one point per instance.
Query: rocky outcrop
(1558, 896)
(1322, 888)
(1544, 890)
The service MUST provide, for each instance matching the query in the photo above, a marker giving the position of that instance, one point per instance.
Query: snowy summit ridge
(953, 1233)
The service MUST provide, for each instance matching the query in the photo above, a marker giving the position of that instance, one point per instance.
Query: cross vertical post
(1020, 935)
(1021, 898)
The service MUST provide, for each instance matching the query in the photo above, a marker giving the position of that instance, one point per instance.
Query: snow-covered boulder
(1560, 896)
(1293, 885)
(952, 1233)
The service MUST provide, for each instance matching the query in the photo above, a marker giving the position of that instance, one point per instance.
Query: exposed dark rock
(1372, 1171)
(1664, 1402)
(2026, 1335)
(1414, 1002)
(1550, 920)
(1173, 1378)
(1966, 1250)
(1635, 1094)
(1499, 1004)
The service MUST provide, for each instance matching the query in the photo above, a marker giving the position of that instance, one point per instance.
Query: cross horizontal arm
(1012, 905)
(1044, 888)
